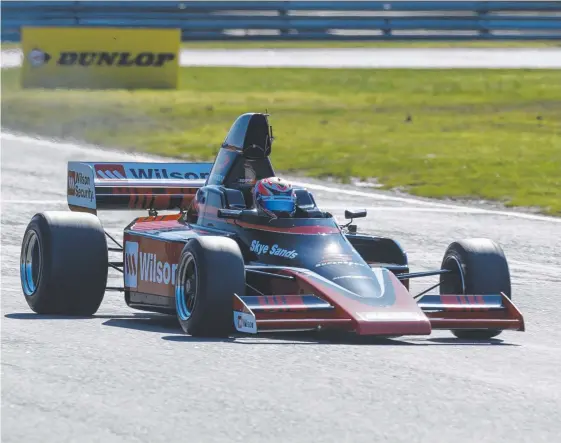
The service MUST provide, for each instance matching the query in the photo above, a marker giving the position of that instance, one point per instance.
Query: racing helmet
(275, 197)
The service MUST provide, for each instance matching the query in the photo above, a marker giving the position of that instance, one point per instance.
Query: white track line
(311, 186)
(466, 210)
(457, 208)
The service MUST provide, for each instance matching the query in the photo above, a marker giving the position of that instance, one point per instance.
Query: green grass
(493, 134)
(5, 46)
(357, 44)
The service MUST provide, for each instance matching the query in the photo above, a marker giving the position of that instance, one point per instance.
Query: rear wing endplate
(131, 185)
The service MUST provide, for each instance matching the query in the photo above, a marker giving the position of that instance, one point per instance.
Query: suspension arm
(422, 274)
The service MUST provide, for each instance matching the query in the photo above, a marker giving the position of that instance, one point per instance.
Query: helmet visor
(277, 204)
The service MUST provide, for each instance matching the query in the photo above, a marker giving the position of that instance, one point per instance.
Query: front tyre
(479, 267)
(64, 263)
(210, 271)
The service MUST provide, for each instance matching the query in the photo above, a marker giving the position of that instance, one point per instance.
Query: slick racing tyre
(64, 263)
(480, 268)
(210, 271)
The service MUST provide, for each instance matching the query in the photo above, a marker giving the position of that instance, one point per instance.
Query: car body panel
(302, 272)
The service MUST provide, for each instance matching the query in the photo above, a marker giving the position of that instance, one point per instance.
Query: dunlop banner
(100, 58)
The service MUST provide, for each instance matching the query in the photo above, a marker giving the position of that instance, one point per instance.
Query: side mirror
(359, 213)
(229, 213)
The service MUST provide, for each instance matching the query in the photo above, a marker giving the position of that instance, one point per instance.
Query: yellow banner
(100, 58)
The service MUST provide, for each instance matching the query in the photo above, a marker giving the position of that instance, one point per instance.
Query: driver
(275, 197)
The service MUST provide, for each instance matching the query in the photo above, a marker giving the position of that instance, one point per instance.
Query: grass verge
(493, 134)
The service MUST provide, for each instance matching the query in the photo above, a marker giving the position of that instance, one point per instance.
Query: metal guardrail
(300, 20)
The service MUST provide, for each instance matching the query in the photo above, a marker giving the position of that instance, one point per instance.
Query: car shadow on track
(301, 338)
(147, 322)
(167, 324)
(32, 316)
(139, 321)
(295, 338)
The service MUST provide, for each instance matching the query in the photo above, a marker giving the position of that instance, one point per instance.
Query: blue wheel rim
(31, 264)
(186, 287)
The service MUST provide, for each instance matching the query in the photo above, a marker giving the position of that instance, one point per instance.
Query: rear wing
(120, 186)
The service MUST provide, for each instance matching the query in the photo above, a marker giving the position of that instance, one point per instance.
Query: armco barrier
(300, 20)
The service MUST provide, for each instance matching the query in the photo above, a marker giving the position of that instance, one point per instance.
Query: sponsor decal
(245, 322)
(353, 277)
(156, 271)
(80, 188)
(146, 267)
(118, 59)
(164, 173)
(100, 57)
(79, 185)
(391, 316)
(275, 250)
(112, 171)
(131, 264)
(338, 262)
(331, 259)
(118, 171)
(38, 58)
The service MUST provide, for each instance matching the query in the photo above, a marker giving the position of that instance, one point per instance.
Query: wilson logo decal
(117, 171)
(71, 183)
(80, 186)
(245, 322)
(156, 271)
(114, 171)
(131, 264)
(144, 267)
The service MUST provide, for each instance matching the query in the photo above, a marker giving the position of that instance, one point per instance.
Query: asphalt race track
(126, 376)
(515, 58)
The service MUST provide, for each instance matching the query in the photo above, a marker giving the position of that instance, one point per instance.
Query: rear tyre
(64, 263)
(479, 267)
(210, 271)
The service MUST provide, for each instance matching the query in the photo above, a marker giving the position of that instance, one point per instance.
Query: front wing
(321, 304)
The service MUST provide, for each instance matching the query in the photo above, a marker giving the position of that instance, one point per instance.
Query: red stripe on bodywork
(158, 222)
(508, 318)
(471, 301)
(157, 225)
(480, 299)
(280, 301)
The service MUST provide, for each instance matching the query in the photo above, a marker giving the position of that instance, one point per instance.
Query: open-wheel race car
(221, 265)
